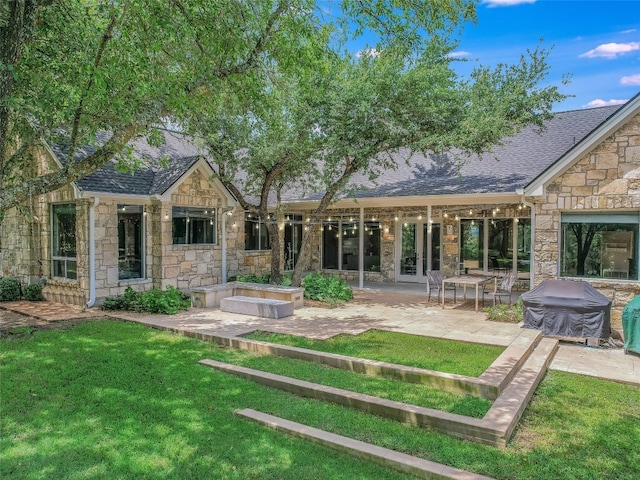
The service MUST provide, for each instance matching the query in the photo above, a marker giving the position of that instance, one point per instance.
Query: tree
(352, 113)
(70, 69)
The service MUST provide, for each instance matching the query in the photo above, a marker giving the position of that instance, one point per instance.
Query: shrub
(506, 313)
(329, 289)
(9, 289)
(169, 302)
(32, 292)
(253, 278)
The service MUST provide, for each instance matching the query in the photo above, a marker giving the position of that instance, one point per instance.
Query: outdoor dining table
(465, 280)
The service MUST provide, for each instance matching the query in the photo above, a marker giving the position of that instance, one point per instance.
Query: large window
(130, 242)
(194, 226)
(341, 245)
(63, 241)
(256, 236)
(599, 246)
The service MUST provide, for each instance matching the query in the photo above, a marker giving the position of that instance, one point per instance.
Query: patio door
(418, 250)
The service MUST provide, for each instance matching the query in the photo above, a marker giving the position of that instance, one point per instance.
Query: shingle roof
(509, 167)
(151, 178)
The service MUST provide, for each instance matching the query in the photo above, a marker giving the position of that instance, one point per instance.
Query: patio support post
(514, 247)
(361, 254)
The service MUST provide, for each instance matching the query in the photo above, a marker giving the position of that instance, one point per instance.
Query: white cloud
(630, 79)
(505, 3)
(611, 50)
(458, 54)
(603, 103)
(370, 52)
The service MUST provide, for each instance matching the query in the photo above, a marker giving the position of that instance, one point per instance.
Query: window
(194, 226)
(256, 236)
(63, 239)
(130, 242)
(599, 246)
(341, 245)
(292, 240)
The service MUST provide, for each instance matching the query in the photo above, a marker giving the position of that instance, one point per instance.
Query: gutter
(92, 252)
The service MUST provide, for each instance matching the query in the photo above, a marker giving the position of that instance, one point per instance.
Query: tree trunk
(304, 257)
(274, 240)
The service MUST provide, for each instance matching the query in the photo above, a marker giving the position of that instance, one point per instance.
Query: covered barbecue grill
(567, 308)
(631, 326)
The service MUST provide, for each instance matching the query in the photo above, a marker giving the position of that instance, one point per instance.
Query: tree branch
(108, 35)
(70, 172)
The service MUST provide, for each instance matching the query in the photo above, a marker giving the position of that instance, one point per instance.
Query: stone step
(401, 462)
(506, 411)
(261, 307)
(494, 429)
(464, 427)
(443, 381)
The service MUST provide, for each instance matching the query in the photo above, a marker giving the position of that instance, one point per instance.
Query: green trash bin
(631, 326)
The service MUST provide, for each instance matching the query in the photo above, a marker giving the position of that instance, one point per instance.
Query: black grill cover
(567, 308)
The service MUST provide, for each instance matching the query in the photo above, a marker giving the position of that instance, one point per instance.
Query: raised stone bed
(261, 307)
(210, 296)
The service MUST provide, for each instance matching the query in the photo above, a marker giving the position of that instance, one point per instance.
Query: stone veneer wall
(606, 179)
(186, 266)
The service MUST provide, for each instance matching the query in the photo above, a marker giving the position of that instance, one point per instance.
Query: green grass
(448, 356)
(117, 400)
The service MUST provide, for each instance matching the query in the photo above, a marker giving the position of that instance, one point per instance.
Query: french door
(418, 250)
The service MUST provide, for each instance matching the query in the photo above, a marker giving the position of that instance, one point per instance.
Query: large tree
(73, 68)
(351, 114)
(78, 67)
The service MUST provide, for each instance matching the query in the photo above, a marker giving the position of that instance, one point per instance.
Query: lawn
(118, 400)
(470, 359)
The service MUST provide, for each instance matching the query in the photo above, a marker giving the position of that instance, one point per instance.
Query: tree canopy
(307, 136)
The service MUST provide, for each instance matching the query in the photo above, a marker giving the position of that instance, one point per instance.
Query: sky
(595, 42)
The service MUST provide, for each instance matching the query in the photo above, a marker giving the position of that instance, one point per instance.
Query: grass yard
(470, 359)
(118, 400)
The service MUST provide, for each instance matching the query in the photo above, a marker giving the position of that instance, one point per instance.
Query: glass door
(418, 250)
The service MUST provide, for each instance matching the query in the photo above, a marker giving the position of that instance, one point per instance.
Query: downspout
(92, 252)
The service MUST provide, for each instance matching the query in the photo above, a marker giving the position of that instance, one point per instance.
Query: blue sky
(596, 42)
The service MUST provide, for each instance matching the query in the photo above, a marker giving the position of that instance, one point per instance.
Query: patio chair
(496, 267)
(434, 284)
(501, 290)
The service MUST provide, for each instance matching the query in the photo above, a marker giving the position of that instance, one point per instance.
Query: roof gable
(537, 186)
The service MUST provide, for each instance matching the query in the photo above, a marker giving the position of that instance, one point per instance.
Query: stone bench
(209, 296)
(261, 307)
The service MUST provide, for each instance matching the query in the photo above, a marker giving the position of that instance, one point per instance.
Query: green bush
(32, 292)
(169, 302)
(253, 278)
(329, 289)
(506, 313)
(9, 289)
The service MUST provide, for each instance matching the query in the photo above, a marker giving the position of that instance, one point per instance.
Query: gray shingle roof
(152, 178)
(507, 168)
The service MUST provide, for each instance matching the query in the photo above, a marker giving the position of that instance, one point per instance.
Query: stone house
(562, 202)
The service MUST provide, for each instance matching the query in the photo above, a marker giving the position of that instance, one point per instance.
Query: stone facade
(25, 248)
(607, 179)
